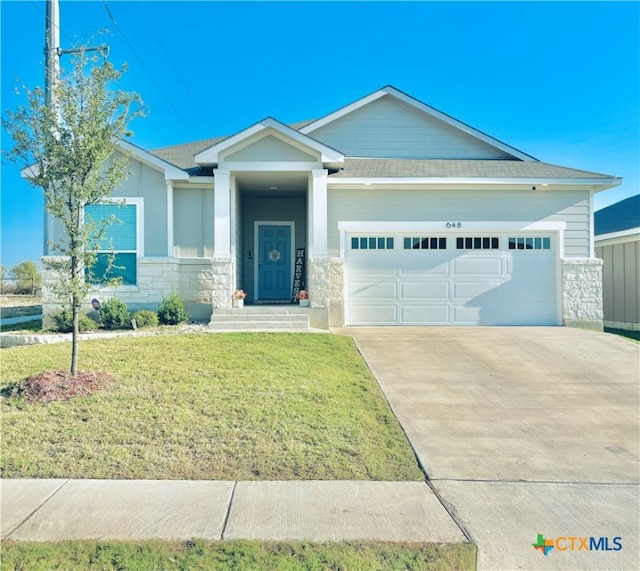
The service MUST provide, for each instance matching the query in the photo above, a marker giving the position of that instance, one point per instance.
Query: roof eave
(597, 184)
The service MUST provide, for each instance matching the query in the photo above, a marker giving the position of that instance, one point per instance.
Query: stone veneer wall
(582, 293)
(192, 278)
(319, 292)
(222, 273)
(336, 292)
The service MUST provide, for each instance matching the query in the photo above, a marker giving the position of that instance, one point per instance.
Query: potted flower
(303, 298)
(238, 298)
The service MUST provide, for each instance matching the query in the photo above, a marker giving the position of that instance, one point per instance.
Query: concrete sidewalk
(57, 510)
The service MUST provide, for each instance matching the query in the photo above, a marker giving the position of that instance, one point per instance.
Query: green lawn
(629, 334)
(261, 406)
(237, 556)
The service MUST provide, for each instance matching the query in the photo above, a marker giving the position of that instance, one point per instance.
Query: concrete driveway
(521, 431)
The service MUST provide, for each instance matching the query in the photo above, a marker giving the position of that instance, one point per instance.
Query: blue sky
(559, 81)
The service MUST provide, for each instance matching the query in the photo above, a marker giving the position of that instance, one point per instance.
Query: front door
(274, 261)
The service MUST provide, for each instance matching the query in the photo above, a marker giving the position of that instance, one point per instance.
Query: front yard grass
(243, 406)
(238, 556)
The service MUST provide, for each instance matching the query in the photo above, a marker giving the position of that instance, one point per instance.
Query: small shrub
(171, 311)
(63, 321)
(146, 318)
(114, 314)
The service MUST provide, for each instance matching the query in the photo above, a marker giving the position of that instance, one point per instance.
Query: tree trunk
(75, 310)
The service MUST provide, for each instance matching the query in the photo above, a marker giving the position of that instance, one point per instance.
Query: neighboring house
(617, 236)
(388, 211)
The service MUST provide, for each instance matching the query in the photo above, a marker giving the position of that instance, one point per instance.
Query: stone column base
(582, 293)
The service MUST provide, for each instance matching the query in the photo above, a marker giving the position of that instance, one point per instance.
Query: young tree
(27, 276)
(68, 150)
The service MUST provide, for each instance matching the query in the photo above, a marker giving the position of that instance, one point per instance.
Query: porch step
(254, 318)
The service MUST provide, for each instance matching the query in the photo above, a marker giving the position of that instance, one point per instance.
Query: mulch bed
(53, 386)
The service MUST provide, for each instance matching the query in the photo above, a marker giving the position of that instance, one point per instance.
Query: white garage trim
(346, 226)
(452, 230)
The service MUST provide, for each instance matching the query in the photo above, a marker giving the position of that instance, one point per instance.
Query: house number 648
(454, 224)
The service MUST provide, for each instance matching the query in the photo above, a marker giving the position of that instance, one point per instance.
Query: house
(617, 238)
(387, 211)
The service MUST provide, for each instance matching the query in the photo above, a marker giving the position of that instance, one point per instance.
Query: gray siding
(621, 281)
(192, 222)
(463, 205)
(270, 148)
(149, 184)
(390, 128)
(269, 209)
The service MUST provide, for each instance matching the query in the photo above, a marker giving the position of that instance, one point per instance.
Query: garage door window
(424, 243)
(529, 243)
(477, 243)
(372, 243)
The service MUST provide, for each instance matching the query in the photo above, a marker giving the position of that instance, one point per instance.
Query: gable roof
(424, 108)
(623, 215)
(211, 155)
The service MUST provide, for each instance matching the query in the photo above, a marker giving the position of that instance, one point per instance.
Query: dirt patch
(53, 386)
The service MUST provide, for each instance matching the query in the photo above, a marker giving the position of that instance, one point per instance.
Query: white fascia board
(421, 107)
(622, 236)
(171, 172)
(211, 156)
(537, 182)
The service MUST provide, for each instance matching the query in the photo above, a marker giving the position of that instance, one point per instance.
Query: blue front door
(274, 262)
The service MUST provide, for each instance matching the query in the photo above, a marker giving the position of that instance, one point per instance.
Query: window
(372, 243)
(477, 243)
(119, 243)
(424, 243)
(529, 243)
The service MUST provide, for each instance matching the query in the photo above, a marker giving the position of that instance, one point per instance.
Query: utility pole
(53, 52)
(51, 75)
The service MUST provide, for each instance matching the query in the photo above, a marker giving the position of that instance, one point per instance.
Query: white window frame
(139, 204)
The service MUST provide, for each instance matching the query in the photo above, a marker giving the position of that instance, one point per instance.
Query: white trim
(630, 234)
(171, 172)
(318, 244)
(211, 156)
(351, 226)
(256, 249)
(525, 182)
(222, 215)
(592, 245)
(268, 166)
(484, 227)
(139, 202)
(169, 218)
(428, 110)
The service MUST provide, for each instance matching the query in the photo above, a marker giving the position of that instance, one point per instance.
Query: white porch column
(222, 215)
(318, 247)
(170, 219)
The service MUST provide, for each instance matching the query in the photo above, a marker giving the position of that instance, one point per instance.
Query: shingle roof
(620, 216)
(418, 168)
(182, 155)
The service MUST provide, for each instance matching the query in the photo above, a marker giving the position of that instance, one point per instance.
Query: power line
(71, 40)
(175, 69)
(176, 112)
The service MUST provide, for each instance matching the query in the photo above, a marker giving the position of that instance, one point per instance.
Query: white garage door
(463, 279)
